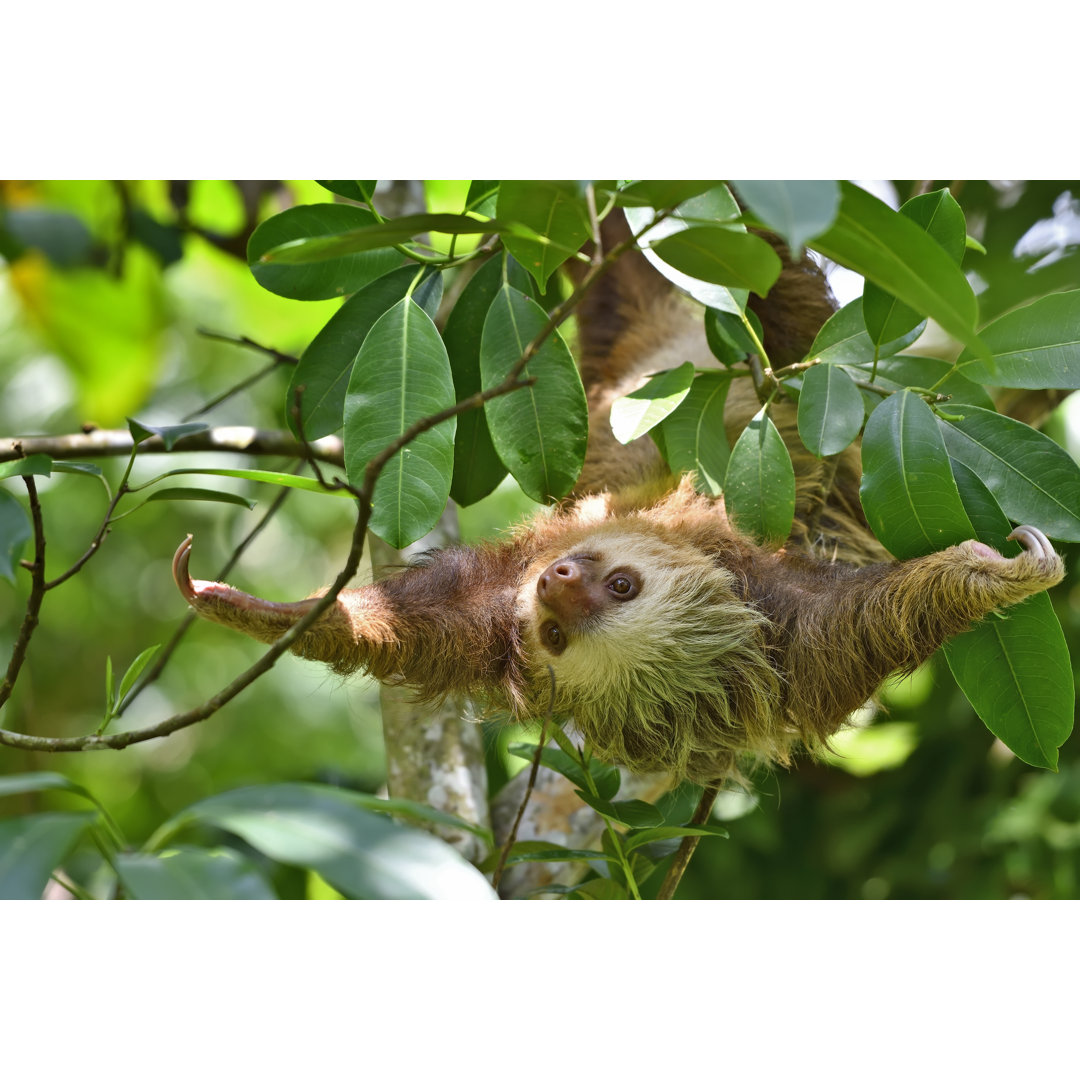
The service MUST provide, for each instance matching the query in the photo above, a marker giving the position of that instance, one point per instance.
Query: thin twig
(688, 845)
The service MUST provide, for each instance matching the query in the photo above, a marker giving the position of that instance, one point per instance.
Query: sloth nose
(558, 575)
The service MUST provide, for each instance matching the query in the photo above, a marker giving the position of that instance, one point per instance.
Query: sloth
(636, 607)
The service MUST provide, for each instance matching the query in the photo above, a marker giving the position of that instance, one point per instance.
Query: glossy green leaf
(669, 832)
(302, 483)
(694, 439)
(727, 335)
(78, 468)
(898, 372)
(371, 237)
(135, 669)
(640, 411)
(361, 854)
(32, 847)
(1015, 670)
(326, 365)
(539, 431)
(34, 465)
(721, 256)
(169, 434)
(555, 210)
(662, 194)
(635, 813)
(892, 251)
(844, 340)
(604, 777)
(481, 193)
(830, 410)
(1034, 347)
(15, 530)
(187, 494)
(797, 210)
(328, 277)
(759, 487)
(477, 467)
(542, 851)
(1034, 481)
(908, 491)
(940, 216)
(401, 376)
(192, 874)
(358, 190)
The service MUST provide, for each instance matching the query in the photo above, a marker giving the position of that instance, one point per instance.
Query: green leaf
(830, 410)
(759, 487)
(1034, 347)
(34, 465)
(662, 194)
(543, 851)
(15, 530)
(199, 495)
(1015, 670)
(21, 783)
(135, 670)
(366, 238)
(898, 372)
(721, 256)
(555, 210)
(302, 483)
(540, 431)
(939, 214)
(694, 439)
(401, 376)
(78, 468)
(60, 236)
(477, 468)
(727, 336)
(601, 889)
(357, 190)
(795, 209)
(32, 847)
(329, 277)
(892, 251)
(633, 812)
(1031, 477)
(668, 832)
(169, 435)
(908, 491)
(844, 340)
(192, 874)
(326, 365)
(640, 411)
(361, 854)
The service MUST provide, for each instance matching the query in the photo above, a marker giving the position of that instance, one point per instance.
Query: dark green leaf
(34, 465)
(77, 467)
(480, 193)
(667, 832)
(401, 376)
(898, 372)
(633, 812)
(908, 491)
(20, 783)
(759, 487)
(553, 209)
(727, 336)
(61, 237)
(200, 495)
(326, 365)
(477, 468)
(721, 256)
(140, 432)
(892, 251)
(1032, 478)
(192, 874)
(357, 190)
(601, 889)
(830, 410)
(15, 530)
(32, 847)
(327, 278)
(1036, 347)
(795, 209)
(844, 340)
(694, 439)
(539, 431)
(303, 483)
(542, 851)
(1015, 670)
(165, 241)
(640, 411)
(662, 194)
(361, 854)
(940, 216)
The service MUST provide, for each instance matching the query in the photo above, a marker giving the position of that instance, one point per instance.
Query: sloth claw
(181, 574)
(1034, 540)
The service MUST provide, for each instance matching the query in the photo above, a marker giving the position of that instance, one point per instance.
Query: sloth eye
(553, 637)
(623, 586)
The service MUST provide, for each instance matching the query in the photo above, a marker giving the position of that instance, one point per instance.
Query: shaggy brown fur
(677, 643)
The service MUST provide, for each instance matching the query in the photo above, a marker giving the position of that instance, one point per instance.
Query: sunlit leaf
(844, 340)
(401, 376)
(192, 874)
(200, 495)
(694, 439)
(555, 210)
(669, 832)
(722, 256)
(759, 486)
(642, 409)
(169, 434)
(34, 465)
(539, 431)
(302, 483)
